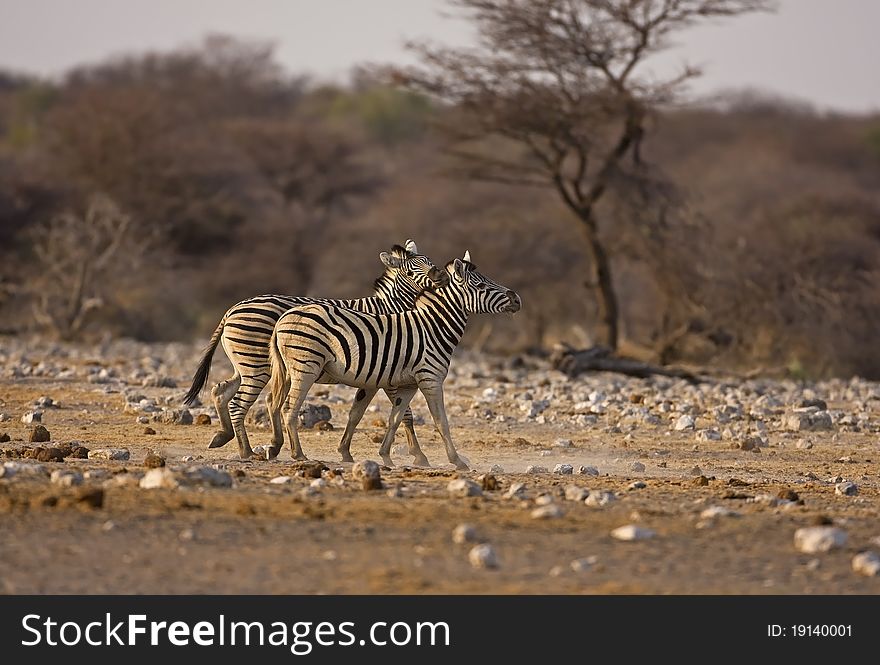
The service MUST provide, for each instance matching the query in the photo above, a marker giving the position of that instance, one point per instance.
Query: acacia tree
(555, 94)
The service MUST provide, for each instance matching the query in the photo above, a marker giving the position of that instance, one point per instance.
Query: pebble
(867, 564)
(709, 435)
(66, 478)
(563, 469)
(532, 468)
(803, 444)
(110, 454)
(464, 533)
(483, 556)
(588, 471)
(206, 475)
(488, 482)
(631, 532)
(638, 485)
(599, 499)
(149, 431)
(563, 443)
(462, 487)
(319, 483)
(312, 414)
(161, 478)
(637, 466)
(367, 471)
(175, 417)
(846, 489)
(515, 491)
(496, 468)
(685, 422)
(544, 499)
(575, 493)
(153, 461)
(280, 480)
(32, 417)
(583, 564)
(814, 539)
(717, 511)
(696, 471)
(39, 434)
(203, 419)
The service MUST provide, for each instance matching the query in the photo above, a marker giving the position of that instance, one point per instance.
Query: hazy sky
(823, 51)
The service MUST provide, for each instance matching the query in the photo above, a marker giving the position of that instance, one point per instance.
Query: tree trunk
(602, 284)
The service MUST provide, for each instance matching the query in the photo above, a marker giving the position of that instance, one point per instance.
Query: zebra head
(410, 271)
(479, 293)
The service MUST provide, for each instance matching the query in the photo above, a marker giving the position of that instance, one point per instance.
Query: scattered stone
(588, 471)
(66, 478)
(717, 511)
(110, 454)
(638, 485)
(684, 423)
(320, 483)
(815, 539)
(312, 414)
(462, 487)
(846, 489)
(153, 461)
(599, 499)
(489, 482)
(32, 417)
(515, 491)
(280, 480)
(483, 556)
(532, 468)
(464, 533)
(575, 493)
(709, 435)
(324, 426)
(149, 431)
(788, 495)
(803, 444)
(867, 564)
(159, 478)
(50, 454)
(550, 511)
(4, 437)
(584, 564)
(806, 421)
(367, 471)
(206, 475)
(496, 468)
(39, 434)
(813, 403)
(563, 469)
(10, 469)
(203, 419)
(175, 417)
(562, 443)
(696, 471)
(631, 532)
(637, 466)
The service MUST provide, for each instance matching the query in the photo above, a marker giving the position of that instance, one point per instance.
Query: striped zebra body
(246, 330)
(403, 351)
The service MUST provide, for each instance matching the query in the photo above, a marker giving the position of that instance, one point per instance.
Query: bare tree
(556, 95)
(79, 257)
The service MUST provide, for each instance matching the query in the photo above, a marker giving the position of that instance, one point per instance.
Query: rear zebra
(405, 351)
(246, 329)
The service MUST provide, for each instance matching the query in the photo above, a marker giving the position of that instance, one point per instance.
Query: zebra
(246, 328)
(405, 351)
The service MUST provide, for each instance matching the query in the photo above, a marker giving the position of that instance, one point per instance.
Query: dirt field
(262, 537)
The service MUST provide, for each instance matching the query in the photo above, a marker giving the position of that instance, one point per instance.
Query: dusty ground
(259, 537)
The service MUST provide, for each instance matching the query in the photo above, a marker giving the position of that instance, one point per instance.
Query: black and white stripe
(246, 329)
(402, 351)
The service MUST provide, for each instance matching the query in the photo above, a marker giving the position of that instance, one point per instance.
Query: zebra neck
(390, 287)
(445, 308)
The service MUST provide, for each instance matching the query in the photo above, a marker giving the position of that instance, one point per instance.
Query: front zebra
(404, 351)
(246, 329)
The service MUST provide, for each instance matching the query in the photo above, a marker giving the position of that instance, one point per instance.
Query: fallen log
(573, 362)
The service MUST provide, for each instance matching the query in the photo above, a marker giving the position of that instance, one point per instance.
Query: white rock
(10, 469)
(866, 563)
(632, 532)
(462, 487)
(584, 564)
(563, 469)
(280, 480)
(464, 533)
(638, 485)
(685, 422)
(496, 468)
(588, 471)
(206, 475)
(709, 435)
(66, 478)
(32, 417)
(161, 478)
(637, 466)
(515, 491)
(532, 468)
(365, 469)
(575, 493)
(544, 499)
(110, 454)
(717, 511)
(318, 483)
(599, 499)
(813, 539)
(562, 443)
(483, 556)
(846, 489)
(550, 511)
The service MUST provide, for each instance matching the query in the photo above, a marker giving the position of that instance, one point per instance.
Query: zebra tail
(201, 376)
(279, 372)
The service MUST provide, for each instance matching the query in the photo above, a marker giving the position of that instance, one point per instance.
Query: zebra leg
(412, 441)
(300, 383)
(433, 392)
(221, 394)
(361, 402)
(277, 421)
(401, 404)
(239, 405)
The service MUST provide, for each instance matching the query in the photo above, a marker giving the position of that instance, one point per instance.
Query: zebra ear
(467, 256)
(460, 267)
(389, 260)
(410, 246)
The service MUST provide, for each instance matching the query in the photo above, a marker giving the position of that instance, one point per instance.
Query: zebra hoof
(272, 452)
(461, 466)
(220, 439)
(346, 457)
(387, 461)
(421, 460)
